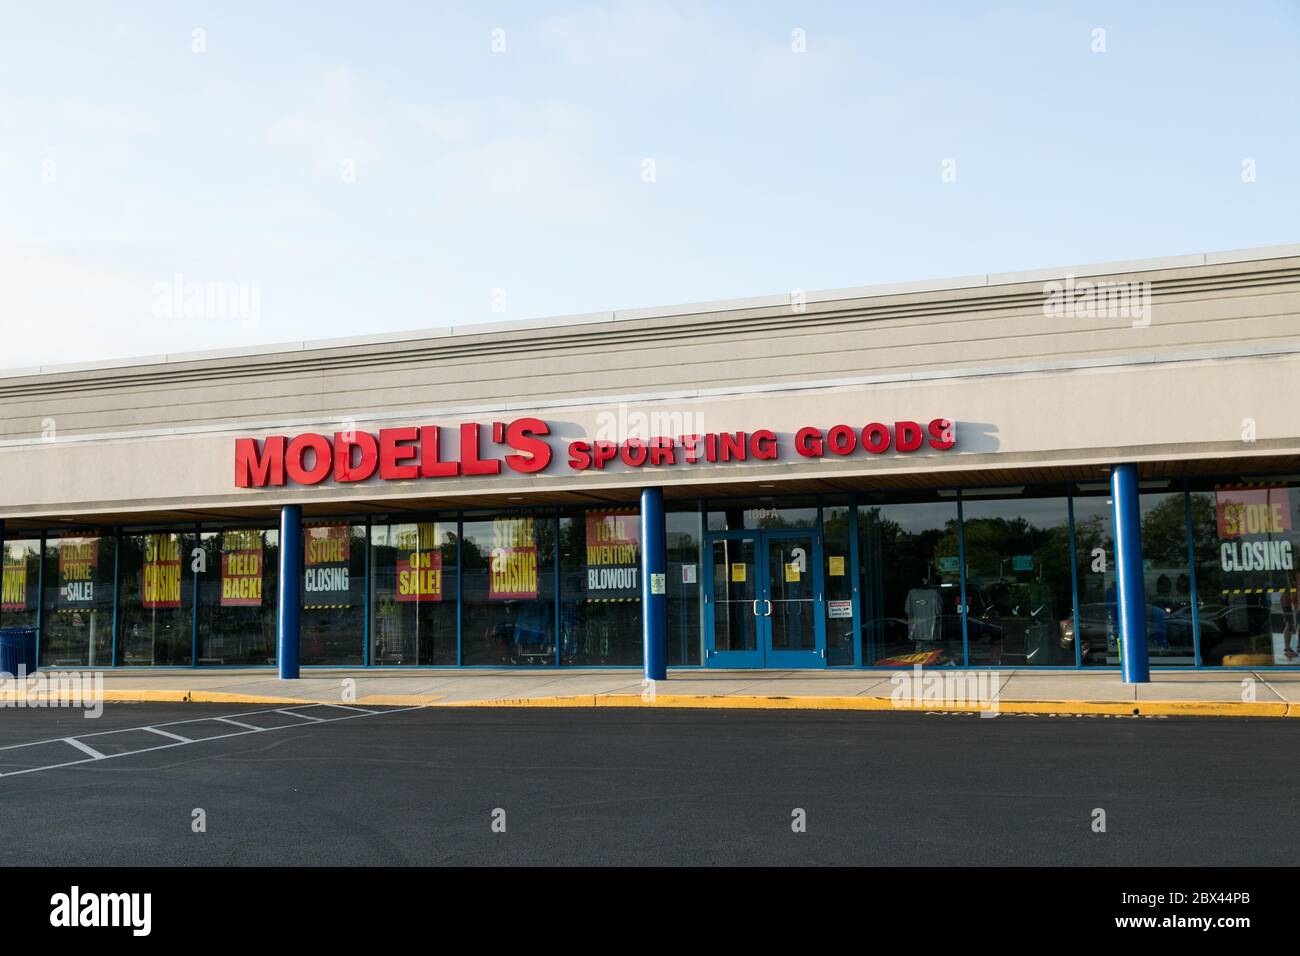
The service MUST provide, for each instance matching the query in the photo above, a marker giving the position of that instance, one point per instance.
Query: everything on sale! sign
(419, 570)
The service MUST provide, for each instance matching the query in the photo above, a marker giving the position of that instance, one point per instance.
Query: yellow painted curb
(395, 700)
(578, 700)
(146, 696)
(223, 697)
(1113, 708)
(1148, 708)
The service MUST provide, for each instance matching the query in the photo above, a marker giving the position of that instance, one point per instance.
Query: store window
(1018, 578)
(1245, 537)
(156, 592)
(1094, 550)
(237, 596)
(77, 620)
(911, 580)
(747, 514)
(333, 593)
(600, 587)
(1166, 573)
(414, 567)
(685, 634)
(508, 562)
(1167, 580)
(21, 591)
(837, 575)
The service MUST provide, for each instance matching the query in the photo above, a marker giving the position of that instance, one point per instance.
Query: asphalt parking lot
(333, 786)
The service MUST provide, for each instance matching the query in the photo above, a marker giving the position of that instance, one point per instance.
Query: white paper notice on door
(839, 609)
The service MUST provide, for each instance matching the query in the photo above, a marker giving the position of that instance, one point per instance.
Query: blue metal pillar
(289, 588)
(654, 583)
(1131, 587)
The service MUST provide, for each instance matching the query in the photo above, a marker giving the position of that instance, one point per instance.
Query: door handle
(768, 602)
(756, 614)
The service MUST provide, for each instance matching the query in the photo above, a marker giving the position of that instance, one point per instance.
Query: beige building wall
(1204, 364)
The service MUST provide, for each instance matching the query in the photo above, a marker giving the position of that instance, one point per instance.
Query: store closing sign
(1254, 524)
(524, 446)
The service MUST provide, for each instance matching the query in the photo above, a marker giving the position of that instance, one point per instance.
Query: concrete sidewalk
(1223, 693)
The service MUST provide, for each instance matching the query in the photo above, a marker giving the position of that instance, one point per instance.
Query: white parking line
(167, 733)
(84, 748)
(93, 755)
(294, 713)
(228, 720)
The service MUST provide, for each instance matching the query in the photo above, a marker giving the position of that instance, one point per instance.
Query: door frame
(763, 655)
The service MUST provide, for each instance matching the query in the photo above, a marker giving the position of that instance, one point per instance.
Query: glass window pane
(1018, 579)
(735, 589)
(237, 596)
(22, 558)
(414, 566)
(1245, 536)
(156, 595)
(77, 621)
(745, 514)
(836, 574)
(1095, 560)
(1166, 575)
(509, 589)
(911, 581)
(333, 593)
(600, 587)
(685, 635)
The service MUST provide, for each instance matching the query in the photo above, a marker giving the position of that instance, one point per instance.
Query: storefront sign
(613, 555)
(513, 562)
(327, 548)
(15, 581)
(419, 573)
(1254, 523)
(241, 568)
(160, 583)
(78, 558)
(522, 446)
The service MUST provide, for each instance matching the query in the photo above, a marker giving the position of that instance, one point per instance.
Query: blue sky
(497, 185)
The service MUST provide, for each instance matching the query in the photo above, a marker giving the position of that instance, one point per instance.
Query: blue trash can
(17, 649)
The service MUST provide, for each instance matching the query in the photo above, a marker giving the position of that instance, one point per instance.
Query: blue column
(289, 610)
(654, 584)
(1131, 587)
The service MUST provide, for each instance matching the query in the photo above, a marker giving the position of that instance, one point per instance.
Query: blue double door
(764, 599)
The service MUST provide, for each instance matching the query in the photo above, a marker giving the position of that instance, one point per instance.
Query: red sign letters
(406, 454)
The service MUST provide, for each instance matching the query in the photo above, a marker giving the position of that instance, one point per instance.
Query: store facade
(869, 478)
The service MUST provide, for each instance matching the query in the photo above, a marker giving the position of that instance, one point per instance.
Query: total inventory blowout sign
(160, 583)
(15, 580)
(524, 446)
(326, 550)
(419, 572)
(613, 556)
